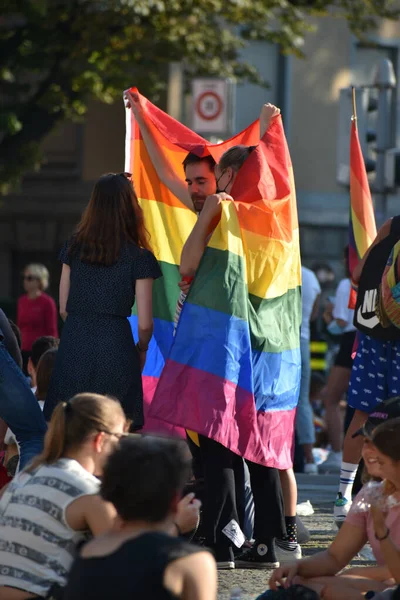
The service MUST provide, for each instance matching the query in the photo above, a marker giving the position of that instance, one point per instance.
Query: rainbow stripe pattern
(232, 372)
(362, 227)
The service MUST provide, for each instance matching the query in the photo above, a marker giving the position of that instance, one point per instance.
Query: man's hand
(132, 101)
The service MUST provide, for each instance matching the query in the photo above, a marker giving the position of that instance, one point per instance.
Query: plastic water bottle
(236, 594)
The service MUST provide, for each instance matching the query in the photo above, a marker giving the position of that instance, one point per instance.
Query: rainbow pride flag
(232, 371)
(362, 227)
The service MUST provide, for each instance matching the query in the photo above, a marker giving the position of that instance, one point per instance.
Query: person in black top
(107, 266)
(139, 558)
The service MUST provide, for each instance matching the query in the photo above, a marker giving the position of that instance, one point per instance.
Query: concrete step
(318, 489)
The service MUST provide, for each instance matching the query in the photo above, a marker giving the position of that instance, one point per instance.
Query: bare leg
(289, 490)
(308, 453)
(352, 446)
(337, 385)
(341, 581)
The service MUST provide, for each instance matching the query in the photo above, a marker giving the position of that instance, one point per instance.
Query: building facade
(36, 219)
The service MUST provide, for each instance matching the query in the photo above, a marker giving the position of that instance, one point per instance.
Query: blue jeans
(304, 417)
(20, 409)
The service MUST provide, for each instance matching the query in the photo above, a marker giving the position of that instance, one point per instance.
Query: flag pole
(353, 94)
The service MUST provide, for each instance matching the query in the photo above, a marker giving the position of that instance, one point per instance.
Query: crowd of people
(89, 502)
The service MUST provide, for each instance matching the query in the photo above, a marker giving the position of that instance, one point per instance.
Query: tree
(57, 54)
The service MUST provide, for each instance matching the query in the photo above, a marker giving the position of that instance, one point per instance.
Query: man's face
(201, 183)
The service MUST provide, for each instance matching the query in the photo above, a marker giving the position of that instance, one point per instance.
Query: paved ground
(320, 490)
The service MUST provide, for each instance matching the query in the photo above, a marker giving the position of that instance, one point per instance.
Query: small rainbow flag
(362, 227)
(232, 371)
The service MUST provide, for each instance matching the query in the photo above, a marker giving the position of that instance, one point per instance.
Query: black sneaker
(260, 556)
(223, 557)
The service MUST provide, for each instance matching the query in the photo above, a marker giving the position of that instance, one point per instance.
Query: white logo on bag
(368, 307)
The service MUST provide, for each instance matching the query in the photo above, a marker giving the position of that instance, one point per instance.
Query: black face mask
(219, 191)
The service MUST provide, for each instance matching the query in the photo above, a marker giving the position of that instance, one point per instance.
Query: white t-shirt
(310, 289)
(341, 309)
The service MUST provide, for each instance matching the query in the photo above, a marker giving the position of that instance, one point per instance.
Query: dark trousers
(224, 495)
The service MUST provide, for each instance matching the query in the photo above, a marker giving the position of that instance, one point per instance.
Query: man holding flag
(275, 187)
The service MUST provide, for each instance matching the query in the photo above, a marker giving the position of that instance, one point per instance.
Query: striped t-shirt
(37, 546)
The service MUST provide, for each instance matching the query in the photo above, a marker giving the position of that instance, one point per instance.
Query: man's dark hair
(40, 346)
(192, 159)
(16, 332)
(144, 475)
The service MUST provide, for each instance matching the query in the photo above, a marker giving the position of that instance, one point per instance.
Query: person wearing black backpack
(376, 369)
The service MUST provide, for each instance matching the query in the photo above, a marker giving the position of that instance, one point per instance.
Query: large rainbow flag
(232, 372)
(362, 227)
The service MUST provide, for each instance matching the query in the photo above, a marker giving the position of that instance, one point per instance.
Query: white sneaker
(304, 509)
(332, 464)
(287, 556)
(341, 510)
(310, 469)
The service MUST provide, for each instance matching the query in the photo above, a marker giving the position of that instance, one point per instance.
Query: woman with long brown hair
(107, 266)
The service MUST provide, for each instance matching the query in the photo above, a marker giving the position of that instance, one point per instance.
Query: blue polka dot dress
(97, 352)
(375, 376)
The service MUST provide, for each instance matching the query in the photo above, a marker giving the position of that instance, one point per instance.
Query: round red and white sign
(209, 105)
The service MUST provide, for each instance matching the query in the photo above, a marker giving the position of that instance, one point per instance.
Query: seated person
(365, 521)
(53, 505)
(139, 557)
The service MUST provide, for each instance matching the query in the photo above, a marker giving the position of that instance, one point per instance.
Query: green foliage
(56, 54)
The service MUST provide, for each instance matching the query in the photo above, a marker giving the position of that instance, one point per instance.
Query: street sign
(212, 105)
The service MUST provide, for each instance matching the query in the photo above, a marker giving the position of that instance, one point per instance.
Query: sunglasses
(29, 278)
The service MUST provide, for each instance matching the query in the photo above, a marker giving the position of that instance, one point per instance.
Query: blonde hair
(235, 157)
(72, 422)
(41, 273)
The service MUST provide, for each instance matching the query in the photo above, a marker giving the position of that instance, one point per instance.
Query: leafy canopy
(57, 54)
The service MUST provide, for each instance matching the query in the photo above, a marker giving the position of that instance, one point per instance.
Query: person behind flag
(219, 461)
(199, 183)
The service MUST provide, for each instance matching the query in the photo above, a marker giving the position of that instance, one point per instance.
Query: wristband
(380, 539)
(141, 349)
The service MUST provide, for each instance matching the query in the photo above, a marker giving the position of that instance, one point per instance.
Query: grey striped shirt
(37, 546)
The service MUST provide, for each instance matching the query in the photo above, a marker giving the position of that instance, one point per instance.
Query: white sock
(347, 476)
